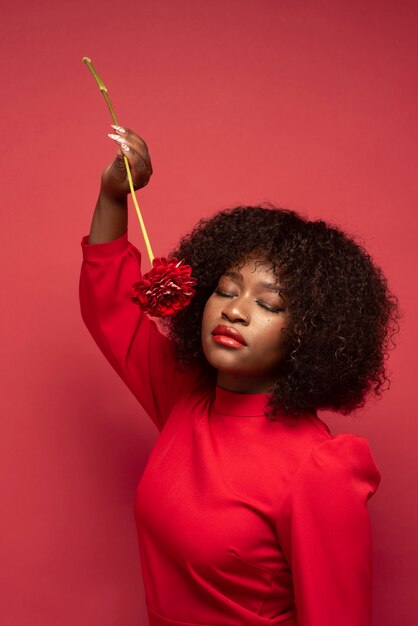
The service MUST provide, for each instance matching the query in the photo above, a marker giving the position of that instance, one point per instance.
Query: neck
(244, 384)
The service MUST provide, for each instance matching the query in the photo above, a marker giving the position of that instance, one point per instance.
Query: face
(246, 300)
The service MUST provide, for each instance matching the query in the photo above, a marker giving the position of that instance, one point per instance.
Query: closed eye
(269, 308)
(264, 306)
(222, 293)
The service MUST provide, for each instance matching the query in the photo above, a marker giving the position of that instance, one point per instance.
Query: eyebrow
(270, 286)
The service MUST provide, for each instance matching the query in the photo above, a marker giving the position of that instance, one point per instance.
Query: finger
(121, 142)
(132, 136)
(131, 150)
(127, 140)
(137, 165)
(119, 160)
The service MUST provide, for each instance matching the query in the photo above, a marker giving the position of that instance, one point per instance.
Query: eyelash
(264, 306)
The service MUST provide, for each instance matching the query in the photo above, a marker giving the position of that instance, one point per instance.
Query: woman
(249, 510)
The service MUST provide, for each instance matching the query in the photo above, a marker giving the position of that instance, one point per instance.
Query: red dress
(241, 520)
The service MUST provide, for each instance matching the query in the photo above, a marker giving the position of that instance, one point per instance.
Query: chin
(219, 361)
(223, 363)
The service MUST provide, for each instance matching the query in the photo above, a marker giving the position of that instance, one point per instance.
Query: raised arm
(132, 343)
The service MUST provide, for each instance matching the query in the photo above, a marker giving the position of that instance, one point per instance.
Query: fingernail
(125, 147)
(115, 137)
(118, 128)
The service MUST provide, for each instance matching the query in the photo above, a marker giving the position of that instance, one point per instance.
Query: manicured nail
(125, 147)
(118, 128)
(115, 137)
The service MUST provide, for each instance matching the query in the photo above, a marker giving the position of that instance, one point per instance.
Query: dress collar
(252, 405)
(241, 404)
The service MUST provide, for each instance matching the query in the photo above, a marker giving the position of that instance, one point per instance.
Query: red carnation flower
(165, 289)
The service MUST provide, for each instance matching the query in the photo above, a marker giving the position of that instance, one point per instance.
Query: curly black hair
(342, 315)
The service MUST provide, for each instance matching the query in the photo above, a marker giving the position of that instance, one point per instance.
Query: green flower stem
(103, 89)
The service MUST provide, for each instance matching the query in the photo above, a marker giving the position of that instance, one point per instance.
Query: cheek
(208, 313)
(270, 336)
(205, 316)
(206, 324)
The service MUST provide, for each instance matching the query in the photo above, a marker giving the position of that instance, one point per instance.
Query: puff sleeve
(325, 533)
(131, 342)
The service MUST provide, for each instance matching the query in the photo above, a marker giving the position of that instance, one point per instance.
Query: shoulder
(331, 486)
(344, 461)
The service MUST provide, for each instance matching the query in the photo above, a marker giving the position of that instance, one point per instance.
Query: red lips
(229, 332)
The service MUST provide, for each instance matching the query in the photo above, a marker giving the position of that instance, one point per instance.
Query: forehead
(258, 271)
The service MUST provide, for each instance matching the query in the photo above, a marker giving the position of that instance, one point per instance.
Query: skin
(241, 304)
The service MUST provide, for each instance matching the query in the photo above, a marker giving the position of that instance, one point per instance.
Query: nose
(235, 310)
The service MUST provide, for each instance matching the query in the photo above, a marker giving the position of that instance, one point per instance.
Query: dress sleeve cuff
(97, 251)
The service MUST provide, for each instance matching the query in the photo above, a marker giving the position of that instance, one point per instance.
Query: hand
(114, 180)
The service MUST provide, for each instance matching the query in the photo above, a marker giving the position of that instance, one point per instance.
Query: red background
(309, 104)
